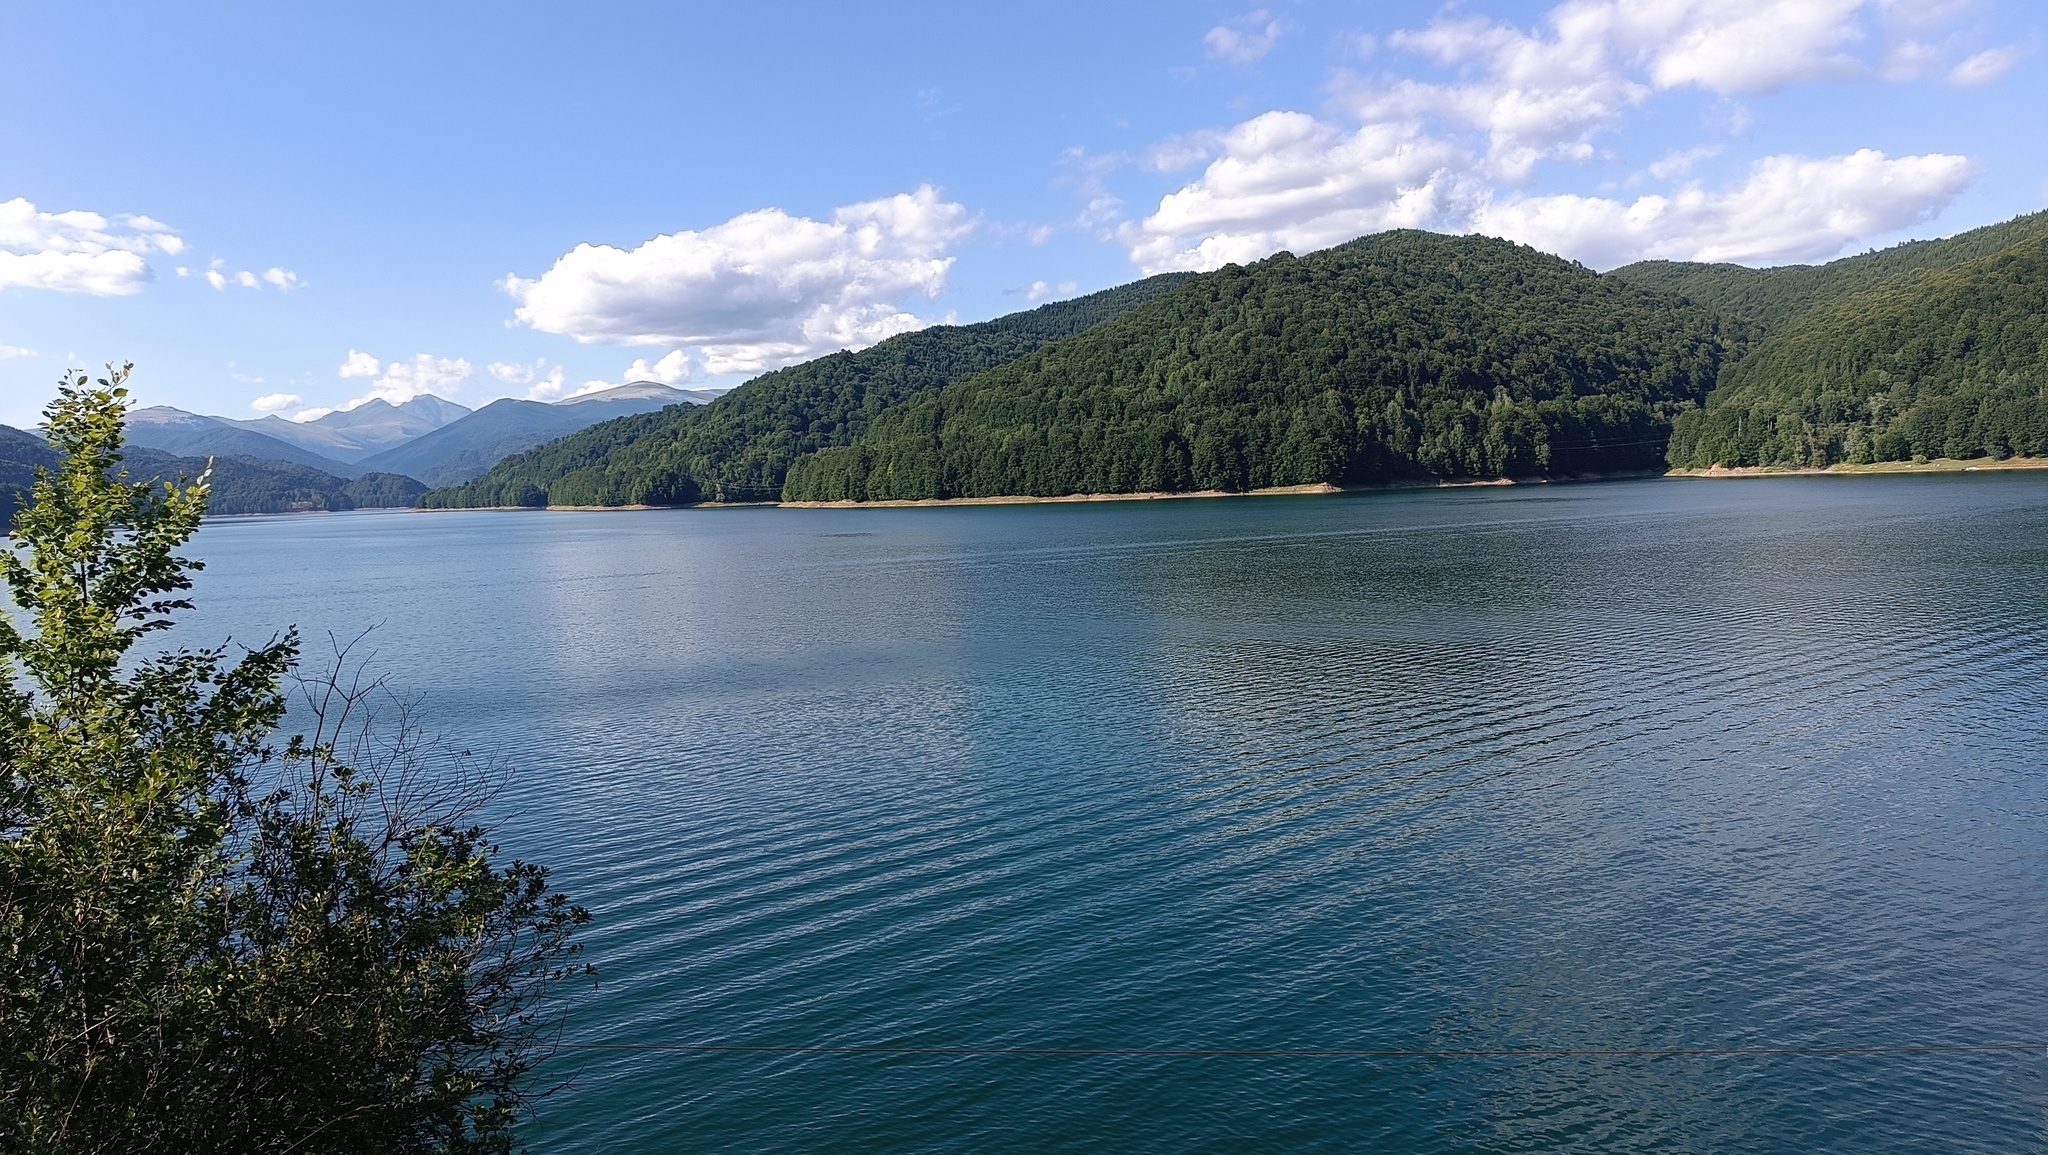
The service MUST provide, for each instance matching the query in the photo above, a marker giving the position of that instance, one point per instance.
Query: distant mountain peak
(439, 410)
(630, 391)
(166, 415)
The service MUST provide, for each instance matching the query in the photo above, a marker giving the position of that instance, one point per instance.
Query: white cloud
(277, 402)
(216, 275)
(9, 352)
(509, 373)
(79, 252)
(1790, 208)
(1676, 164)
(764, 288)
(555, 387)
(1744, 46)
(360, 365)
(1546, 92)
(1434, 153)
(548, 388)
(400, 381)
(1046, 290)
(1985, 67)
(1288, 181)
(1247, 41)
(671, 368)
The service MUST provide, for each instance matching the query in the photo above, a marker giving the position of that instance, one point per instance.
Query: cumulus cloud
(1286, 180)
(762, 289)
(277, 402)
(400, 381)
(1543, 93)
(551, 383)
(79, 252)
(1047, 290)
(1446, 152)
(1985, 67)
(284, 280)
(1245, 41)
(673, 366)
(360, 365)
(9, 352)
(549, 387)
(1790, 208)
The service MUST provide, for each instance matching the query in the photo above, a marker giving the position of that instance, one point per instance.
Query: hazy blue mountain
(20, 453)
(183, 434)
(350, 435)
(467, 447)
(239, 484)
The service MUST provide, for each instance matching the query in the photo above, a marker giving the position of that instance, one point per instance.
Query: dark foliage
(21, 454)
(1951, 363)
(739, 447)
(1763, 300)
(383, 491)
(1402, 355)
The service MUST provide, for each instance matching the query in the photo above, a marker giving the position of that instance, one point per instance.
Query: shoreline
(1881, 468)
(1939, 465)
(1314, 489)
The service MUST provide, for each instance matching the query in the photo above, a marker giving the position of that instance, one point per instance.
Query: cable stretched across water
(1281, 1053)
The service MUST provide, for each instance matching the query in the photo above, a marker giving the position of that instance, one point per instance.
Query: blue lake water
(1638, 765)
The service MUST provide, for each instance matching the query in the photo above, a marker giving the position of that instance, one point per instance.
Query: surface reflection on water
(1636, 765)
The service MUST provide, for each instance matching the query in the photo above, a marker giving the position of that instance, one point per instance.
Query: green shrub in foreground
(208, 942)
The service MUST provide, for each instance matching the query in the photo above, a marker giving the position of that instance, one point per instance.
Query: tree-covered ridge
(1401, 355)
(1944, 364)
(739, 447)
(1764, 300)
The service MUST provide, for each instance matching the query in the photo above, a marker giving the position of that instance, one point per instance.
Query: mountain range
(429, 438)
(239, 484)
(1403, 356)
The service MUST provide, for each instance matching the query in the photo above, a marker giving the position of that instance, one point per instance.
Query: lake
(1637, 766)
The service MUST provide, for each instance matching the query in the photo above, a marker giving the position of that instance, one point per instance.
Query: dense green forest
(20, 454)
(1401, 355)
(1762, 300)
(739, 447)
(1949, 363)
(254, 485)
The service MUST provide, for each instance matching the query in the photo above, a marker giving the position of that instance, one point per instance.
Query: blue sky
(286, 208)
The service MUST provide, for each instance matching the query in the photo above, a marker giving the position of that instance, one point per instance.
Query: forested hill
(1401, 355)
(1763, 300)
(1951, 363)
(739, 447)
